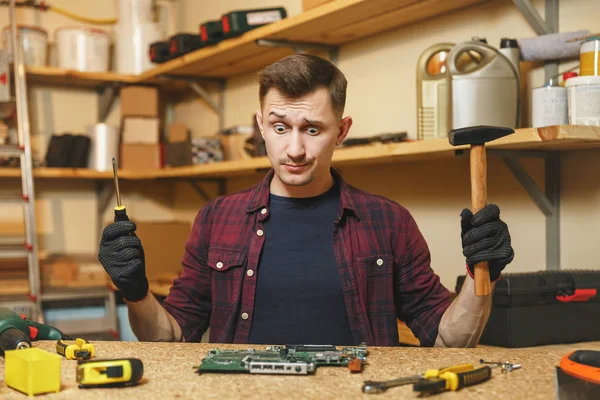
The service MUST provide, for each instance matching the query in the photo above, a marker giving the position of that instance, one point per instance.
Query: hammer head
(475, 135)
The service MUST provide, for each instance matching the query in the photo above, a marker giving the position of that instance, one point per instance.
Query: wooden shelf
(334, 23)
(564, 137)
(64, 173)
(63, 77)
(50, 76)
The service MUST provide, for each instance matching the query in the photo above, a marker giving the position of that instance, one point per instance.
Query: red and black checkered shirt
(382, 257)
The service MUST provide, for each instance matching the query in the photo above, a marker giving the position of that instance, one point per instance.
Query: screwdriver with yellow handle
(430, 374)
(453, 380)
(120, 210)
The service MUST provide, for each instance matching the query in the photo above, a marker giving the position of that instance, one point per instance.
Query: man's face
(300, 136)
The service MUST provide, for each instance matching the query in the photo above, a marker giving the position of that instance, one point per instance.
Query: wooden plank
(564, 137)
(62, 173)
(406, 335)
(14, 286)
(252, 63)
(319, 24)
(218, 169)
(388, 21)
(63, 77)
(333, 16)
(50, 76)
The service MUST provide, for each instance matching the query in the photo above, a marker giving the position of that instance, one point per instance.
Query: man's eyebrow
(313, 122)
(281, 116)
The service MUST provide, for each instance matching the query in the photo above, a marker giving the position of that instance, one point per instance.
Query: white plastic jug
(484, 91)
(432, 92)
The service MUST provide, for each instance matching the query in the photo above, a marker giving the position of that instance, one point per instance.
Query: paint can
(589, 57)
(584, 100)
(549, 106)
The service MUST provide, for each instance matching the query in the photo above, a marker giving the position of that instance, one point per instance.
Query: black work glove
(485, 237)
(122, 256)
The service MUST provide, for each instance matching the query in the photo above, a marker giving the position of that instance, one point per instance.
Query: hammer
(477, 137)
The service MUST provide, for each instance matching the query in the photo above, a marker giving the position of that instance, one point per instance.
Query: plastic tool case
(539, 308)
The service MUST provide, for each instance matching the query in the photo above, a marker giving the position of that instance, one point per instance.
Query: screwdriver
(120, 210)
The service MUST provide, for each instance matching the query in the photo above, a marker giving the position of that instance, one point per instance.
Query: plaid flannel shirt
(382, 258)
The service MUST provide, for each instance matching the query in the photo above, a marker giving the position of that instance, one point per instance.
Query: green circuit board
(287, 360)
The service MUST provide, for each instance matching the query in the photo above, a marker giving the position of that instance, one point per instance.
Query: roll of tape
(103, 147)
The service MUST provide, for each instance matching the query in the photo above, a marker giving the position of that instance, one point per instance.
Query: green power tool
(17, 332)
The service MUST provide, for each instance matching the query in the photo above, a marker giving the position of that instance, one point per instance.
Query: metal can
(589, 57)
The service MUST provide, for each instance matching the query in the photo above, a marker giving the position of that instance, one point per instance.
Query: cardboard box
(139, 101)
(73, 270)
(178, 154)
(140, 130)
(308, 4)
(164, 246)
(234, 146)
(59, 270)
(140, 156)
(178, 133)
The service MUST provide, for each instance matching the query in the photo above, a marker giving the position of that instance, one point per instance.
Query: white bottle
(510, 49)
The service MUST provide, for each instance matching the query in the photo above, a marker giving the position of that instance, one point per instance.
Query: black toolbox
(539, 308)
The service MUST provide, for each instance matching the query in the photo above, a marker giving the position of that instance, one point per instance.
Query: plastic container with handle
(432, 92)
(483, 90)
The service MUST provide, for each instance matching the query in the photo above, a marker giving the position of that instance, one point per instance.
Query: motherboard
(287, 360)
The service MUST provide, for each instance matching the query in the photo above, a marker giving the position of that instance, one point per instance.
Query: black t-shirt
(299, 298)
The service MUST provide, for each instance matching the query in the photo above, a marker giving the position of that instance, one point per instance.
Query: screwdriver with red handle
(120, 210)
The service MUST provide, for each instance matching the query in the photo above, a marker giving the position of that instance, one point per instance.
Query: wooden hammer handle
(478, 202)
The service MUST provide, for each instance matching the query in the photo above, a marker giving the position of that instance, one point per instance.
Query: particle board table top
(169, 373)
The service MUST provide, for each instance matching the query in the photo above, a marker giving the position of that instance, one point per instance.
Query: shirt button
(260, 232)
(245, 316)
(379, 262)
(263, 211)
(219, 265)
(249, 272)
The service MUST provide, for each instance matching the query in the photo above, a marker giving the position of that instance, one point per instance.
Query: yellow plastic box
(32, 371)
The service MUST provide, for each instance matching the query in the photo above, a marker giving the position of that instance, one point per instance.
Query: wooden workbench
(169, 374)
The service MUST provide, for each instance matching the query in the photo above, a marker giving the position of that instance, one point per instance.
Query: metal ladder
(27, 197)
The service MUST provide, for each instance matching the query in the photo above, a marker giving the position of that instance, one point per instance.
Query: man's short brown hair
(300, 74)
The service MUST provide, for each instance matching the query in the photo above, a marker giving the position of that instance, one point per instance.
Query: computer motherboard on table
(288, 360)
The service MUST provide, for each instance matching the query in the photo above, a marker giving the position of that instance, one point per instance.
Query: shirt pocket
(227, 265)
(376, 282)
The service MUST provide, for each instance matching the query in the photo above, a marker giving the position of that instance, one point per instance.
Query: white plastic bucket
(83, 49)
(131, 47)
(584, 100)
(34, 42)
(135, 12)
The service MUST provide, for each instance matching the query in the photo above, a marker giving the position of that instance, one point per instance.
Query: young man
(303, 257)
